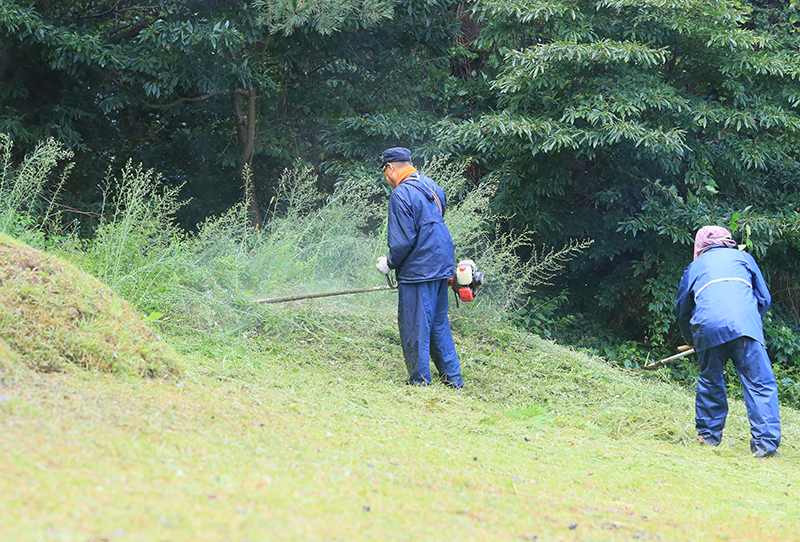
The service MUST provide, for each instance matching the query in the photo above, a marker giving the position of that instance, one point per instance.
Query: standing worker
(721, 302)
(422, 255)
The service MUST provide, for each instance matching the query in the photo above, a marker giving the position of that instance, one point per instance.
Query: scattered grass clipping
(56, 317)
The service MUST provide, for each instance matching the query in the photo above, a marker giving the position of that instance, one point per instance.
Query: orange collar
(406, 172)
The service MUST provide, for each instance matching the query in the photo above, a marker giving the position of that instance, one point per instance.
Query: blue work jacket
(420, 245)
(722, 296)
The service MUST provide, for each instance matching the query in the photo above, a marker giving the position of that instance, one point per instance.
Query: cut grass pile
(55, 317)
(302, 429)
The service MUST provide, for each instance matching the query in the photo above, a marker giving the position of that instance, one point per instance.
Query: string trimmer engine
(467, 282)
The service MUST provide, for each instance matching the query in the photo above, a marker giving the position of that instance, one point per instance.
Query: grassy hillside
(301, 429)
(58, 317)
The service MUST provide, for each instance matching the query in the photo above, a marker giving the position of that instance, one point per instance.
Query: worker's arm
(760, 290)
(402, 230)
(684, 308)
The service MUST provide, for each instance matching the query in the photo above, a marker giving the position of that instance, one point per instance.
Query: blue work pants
(758, 384)
(425, 332)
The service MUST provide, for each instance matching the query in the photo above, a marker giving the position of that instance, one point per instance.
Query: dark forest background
(628, 122)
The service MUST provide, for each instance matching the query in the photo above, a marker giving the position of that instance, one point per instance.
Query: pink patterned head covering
(710, 236)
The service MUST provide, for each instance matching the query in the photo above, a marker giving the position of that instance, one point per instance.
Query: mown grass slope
(56, 317)
(302, 429)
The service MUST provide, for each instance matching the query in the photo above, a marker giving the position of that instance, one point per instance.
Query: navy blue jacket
(420, 246)
(722, 296)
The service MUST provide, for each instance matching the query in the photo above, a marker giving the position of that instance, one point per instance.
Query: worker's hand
(382, 265)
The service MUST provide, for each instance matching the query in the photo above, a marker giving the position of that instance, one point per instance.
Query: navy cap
(395, 154)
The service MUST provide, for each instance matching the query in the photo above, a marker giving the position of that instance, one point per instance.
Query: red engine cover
(465, 294)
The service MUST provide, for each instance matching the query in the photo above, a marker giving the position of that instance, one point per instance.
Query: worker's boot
(763, 455)
(703, 441)
(760, 453)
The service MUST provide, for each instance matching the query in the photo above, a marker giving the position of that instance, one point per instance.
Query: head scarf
(710, 236)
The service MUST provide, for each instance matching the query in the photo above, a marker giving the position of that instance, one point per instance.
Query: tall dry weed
(27, 207)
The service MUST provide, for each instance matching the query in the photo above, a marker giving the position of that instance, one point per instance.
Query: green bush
(310, 241)
(136, 246)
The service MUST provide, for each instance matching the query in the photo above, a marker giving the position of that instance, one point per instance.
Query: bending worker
(721, 302)
(422, 255)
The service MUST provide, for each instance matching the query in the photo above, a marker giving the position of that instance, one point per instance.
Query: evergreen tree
(635, 123)
(222, 80)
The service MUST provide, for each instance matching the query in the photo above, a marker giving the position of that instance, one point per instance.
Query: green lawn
(306, 432)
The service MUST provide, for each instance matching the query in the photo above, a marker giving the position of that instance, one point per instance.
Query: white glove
(382, 265)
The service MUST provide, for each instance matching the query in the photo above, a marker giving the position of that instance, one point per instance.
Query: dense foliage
(642, 121)
(628, 122)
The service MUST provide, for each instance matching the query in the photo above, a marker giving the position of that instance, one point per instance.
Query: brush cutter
(392, 285)
(684, 351)
(465, 284)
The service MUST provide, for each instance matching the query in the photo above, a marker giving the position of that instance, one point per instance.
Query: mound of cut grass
(54, 317)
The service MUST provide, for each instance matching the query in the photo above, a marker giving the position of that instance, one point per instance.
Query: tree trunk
(246, 132)
(463, 68)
